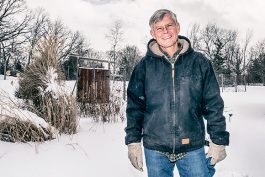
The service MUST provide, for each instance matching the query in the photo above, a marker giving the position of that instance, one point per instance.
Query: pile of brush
(42, 89)
(20, 125)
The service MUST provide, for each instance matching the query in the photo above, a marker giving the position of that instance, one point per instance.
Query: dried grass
(110, 110)
(60, 111)
(12, 129)
(37, 75)
(17, 125)
(41, 87)
(55, 106)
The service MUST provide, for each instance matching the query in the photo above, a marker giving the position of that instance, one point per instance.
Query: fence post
(230, 115)
(244, 78)
(77, 76)
(222, 83)
(124, 83)
(235, 83)
(94, 89)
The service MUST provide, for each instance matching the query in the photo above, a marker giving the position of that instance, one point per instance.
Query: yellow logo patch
(186, 141)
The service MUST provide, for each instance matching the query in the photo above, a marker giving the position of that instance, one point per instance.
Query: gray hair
(159, 15)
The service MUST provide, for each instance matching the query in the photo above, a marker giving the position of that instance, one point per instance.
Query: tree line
(21, 28)
(232, 56)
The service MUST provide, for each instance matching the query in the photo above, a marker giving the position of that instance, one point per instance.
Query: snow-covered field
(98, 150)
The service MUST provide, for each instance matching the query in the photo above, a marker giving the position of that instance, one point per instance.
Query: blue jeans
(194, 164)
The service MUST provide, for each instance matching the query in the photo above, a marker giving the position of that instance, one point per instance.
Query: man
(170, 91)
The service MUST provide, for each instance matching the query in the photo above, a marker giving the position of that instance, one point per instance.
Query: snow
(24, 115)
(98, 149)
(50, 79)
(9, 108)
(53, 86)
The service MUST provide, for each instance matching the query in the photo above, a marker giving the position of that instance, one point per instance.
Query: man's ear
(152, 34)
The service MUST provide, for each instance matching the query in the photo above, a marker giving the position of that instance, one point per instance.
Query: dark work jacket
(166, 103)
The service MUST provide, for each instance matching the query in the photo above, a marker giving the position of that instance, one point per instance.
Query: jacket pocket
(190, 104)
(191, 88)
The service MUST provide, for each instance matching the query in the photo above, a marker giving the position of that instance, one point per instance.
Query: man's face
(166, 33)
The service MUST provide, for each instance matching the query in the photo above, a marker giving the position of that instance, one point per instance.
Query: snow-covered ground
(98, 149)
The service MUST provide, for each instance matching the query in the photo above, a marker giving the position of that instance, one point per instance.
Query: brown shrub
(13, 129)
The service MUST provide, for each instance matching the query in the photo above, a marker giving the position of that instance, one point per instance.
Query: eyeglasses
(160, 29)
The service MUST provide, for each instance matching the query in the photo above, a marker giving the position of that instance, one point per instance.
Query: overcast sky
(93, 17)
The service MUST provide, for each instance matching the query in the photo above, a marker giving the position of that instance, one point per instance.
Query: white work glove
(216, 152)
(135, 155)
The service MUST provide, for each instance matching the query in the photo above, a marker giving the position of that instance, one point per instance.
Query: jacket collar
(154, 51)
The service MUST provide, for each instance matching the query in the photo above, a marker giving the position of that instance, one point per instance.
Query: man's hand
(216, 152)
(135, 155)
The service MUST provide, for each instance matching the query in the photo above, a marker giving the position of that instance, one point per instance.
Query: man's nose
(165, 30)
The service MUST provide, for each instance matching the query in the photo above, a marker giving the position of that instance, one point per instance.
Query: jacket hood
(154, 51)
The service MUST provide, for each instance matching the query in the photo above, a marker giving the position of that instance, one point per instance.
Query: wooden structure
(93, 84)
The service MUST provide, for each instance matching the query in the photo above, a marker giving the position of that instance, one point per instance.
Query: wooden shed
(93, 85)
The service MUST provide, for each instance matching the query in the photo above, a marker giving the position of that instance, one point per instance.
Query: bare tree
(12, 28)
(214, 42)
(257, 66)
(194, 36)
(236, 54)
(71, 42)
(145, 39)
(74, 42)
(115, 36)
(128, 58)
(246, 43)
(38, 29)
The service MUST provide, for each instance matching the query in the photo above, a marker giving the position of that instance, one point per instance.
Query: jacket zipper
(174, 99)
